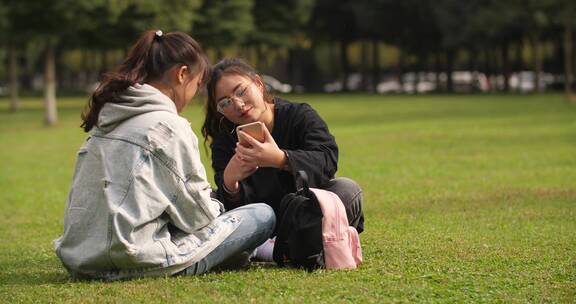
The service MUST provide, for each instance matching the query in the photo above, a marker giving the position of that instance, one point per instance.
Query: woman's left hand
(264, 154)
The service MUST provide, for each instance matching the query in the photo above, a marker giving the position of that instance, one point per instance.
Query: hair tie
(159, 33)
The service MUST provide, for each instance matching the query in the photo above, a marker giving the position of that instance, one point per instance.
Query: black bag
(299, 229)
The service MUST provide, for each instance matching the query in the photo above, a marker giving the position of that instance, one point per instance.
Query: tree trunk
(537, 61)
(449, 69)
(519, 65)
(400, 71)
(472, 57)
(259, 55)
(13, 75)
(292, 67)
(506, 67)
(519, 56)
(50, 111)
(486, 68)
(375, 64)
(103, 63)
(417, 69)
(344, 64)
(437, 71)
(568, 64)
(493, 57)
(475, 84)
(83, 73)
(247, 52)
(365, 84)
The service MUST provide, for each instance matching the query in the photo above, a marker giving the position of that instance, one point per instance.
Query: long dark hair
(149, 58)
(214, 121)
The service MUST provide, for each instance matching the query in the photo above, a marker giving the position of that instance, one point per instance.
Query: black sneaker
(235, 262)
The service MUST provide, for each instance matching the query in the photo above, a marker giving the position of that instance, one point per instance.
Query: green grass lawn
(467, 199)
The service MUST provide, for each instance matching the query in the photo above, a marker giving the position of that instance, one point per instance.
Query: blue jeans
(257, 222)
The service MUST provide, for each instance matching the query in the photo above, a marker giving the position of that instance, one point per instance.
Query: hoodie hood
(137, 99)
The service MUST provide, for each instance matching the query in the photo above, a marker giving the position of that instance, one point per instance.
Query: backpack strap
(302, 187)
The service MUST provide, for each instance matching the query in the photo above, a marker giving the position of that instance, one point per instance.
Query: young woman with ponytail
(140, 204)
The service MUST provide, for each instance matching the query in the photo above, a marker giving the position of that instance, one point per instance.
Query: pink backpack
(313, 231)
(341, 243)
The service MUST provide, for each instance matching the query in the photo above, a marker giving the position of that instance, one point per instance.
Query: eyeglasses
(226, 102)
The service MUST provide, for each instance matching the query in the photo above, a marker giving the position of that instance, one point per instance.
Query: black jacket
(309, 146)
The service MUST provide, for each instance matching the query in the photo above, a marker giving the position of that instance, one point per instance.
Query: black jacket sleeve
(316, 152)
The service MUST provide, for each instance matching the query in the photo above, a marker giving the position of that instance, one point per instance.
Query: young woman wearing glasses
(296, 138)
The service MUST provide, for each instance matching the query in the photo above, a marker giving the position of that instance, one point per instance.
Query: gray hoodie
(139, 204)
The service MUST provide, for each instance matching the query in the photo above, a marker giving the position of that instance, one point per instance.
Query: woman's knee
(347, 189)
(266, 215)
(261, 215)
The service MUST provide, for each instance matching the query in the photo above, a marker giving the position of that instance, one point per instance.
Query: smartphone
(254, 129)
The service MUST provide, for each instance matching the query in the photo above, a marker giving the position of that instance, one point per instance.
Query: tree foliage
(423, 30)
(278, 22)
(223, 23)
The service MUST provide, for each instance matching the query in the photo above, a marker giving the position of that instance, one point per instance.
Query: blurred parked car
(424, 84)
(389, 86)
(523, 81)
(470, 81)
(353, 81)
(274, 85)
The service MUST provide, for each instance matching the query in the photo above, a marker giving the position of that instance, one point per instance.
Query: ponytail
(149, 58)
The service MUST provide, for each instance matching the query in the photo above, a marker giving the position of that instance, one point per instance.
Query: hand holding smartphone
(254, 129)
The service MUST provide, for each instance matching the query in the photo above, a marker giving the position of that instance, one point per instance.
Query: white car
(353, 81)
(523, 81)
(274, 85)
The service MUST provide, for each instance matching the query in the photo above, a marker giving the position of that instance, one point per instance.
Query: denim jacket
(139, 204)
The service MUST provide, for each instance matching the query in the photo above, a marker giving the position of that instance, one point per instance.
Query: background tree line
(69, 43)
